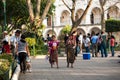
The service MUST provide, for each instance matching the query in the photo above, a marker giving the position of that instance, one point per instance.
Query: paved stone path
(94, 69)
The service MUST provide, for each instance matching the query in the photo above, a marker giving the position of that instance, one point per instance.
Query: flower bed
(7, 66)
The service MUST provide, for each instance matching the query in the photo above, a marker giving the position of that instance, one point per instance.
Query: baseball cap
(17, 31)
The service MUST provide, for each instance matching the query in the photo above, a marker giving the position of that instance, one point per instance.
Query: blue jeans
(103, 50)
(87, 49)
(112, 50)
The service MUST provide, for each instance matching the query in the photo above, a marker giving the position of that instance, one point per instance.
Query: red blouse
(6, 49)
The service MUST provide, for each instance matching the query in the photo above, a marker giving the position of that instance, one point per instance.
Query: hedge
(112, 25)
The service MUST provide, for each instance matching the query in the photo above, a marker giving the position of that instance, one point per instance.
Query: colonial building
(92, 20)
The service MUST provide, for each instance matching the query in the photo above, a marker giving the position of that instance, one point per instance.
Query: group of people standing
(76, 43)
(100, 42)
(17, 46)
(92, 43)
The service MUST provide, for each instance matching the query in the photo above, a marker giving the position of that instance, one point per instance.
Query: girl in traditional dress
(53, 46)
(71, 43)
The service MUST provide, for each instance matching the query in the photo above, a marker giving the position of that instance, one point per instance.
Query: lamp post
(4, 4)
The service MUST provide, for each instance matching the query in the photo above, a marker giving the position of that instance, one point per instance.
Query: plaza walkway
(94, 69)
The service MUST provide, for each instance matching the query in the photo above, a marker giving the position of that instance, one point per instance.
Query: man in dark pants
(103, 45)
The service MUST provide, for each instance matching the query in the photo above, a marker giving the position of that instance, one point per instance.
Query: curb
(16, 73)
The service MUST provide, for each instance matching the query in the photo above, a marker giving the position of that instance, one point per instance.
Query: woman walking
(53, 46)
(71, 44)
(22, 52)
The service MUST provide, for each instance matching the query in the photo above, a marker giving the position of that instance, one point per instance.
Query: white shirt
(14, 40)
(86, 42)
(80, 38)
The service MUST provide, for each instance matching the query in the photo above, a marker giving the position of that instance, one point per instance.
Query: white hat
(5, 32)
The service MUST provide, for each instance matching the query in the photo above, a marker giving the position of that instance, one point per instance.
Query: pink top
(53, 45)
(112, 42)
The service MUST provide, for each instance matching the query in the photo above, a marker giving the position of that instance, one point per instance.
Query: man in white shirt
(86, 42)
(14, 39)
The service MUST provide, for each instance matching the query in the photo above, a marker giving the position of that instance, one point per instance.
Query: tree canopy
(17, 12)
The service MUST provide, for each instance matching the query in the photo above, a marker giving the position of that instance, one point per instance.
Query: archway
(96, 30)
(80, 30)
(113, 12)
(65, 17)
(50, 32)
(79, 14)
(96, 16)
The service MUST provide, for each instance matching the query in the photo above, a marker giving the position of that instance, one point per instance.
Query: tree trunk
(38, 9)
(49, 2)
(77, 23)
(40, 20)
(102, 20)
(102, 3)
(30, 9)
(35, 18)
(84, 13)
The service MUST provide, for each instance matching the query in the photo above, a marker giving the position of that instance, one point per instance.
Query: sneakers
(29, 70)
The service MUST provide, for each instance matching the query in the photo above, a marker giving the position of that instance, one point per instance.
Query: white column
(57, 20)
(57, 14)
(87, 20)
(105, 15)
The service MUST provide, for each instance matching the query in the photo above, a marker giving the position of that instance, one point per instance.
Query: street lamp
(4, 4)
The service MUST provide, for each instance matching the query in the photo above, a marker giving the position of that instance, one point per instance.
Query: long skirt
(53, 56)
(70, 54)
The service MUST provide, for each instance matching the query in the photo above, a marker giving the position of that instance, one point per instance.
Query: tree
(102, 3)
(76, 23)
(37, 12)
(17, 12)
(66, 29)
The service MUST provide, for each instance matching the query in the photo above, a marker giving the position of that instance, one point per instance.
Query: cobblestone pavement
(94, 69)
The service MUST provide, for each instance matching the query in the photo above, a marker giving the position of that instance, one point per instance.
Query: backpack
(99, 41)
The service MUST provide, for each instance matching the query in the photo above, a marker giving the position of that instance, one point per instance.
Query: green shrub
(30, 41)
(5, 61)
(112, 25)
(62, 45)
(36, 46)
(117, 47)
(7, 57)
(66, 29)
